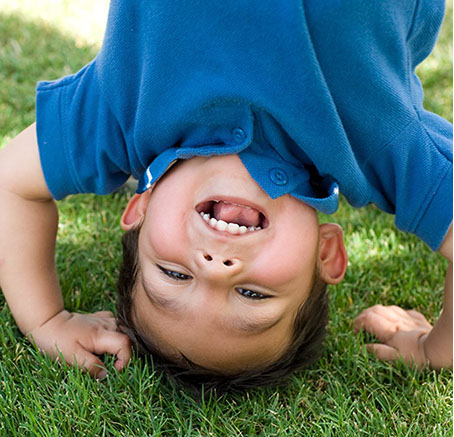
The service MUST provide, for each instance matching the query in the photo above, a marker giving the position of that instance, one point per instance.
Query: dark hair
(309, 330)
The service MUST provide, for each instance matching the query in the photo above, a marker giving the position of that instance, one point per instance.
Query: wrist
(59, 315)
(435, 353)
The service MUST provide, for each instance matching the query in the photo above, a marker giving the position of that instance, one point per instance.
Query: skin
(204, 321)
(407, 334)
(29, 281)
(28, 276)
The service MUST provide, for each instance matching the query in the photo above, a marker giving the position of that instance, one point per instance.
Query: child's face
(225, 301)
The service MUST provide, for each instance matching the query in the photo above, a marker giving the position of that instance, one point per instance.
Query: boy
(240, 120)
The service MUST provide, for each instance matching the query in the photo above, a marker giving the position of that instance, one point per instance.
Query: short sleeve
(425, 25)
(82, 147)
(404, 152)
(412, 178)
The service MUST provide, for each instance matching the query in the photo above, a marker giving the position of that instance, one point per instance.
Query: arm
(438, 343)
(408, 334)
(28, 277)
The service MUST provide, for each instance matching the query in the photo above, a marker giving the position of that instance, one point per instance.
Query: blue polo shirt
(314, 97)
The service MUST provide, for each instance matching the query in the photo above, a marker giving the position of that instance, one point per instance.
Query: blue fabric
(313, 96)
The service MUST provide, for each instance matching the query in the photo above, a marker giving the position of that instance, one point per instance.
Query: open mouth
(230, 217)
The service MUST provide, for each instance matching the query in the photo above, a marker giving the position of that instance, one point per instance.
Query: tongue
(236, 214)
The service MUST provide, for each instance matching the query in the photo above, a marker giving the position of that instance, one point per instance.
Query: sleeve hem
(57, 173)
(52, 103)
(440, 208)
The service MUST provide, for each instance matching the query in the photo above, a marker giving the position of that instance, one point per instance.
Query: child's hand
(80, 337)
(402, 333)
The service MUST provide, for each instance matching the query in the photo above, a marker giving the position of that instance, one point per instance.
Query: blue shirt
(313, 96)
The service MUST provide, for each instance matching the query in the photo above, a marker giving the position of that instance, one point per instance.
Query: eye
(250, 294)
(177, 276)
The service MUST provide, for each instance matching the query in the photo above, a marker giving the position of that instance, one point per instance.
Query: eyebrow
(256, 326)
(250, 326)
(161, 302)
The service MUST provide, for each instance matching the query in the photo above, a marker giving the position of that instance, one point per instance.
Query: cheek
(287, 268)
(164, 234)
(290, 257)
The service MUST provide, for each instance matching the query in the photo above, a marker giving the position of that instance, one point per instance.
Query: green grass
(346, 393)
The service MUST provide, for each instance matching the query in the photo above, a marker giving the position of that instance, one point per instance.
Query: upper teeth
(231, 228)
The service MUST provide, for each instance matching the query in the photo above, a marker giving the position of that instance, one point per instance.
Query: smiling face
(223, 295)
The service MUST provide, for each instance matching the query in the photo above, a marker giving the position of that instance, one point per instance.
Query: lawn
(347, 392)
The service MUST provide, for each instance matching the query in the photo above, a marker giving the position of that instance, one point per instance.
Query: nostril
(228, 263)
(208, 257)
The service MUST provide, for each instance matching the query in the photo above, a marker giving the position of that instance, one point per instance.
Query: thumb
(383, 351)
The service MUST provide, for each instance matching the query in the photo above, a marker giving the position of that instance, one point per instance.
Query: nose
(217, 267)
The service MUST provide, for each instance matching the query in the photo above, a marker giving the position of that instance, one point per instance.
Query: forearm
(27, 269)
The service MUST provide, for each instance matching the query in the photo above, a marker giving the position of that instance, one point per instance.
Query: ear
(333, 257)
(135, 210)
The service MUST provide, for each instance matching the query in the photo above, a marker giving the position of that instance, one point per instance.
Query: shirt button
(278, 176)
(238, 135)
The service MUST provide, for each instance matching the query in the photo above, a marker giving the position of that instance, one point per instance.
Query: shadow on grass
(31, 51)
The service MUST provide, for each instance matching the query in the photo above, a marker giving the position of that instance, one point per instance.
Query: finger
(360, 321)
(389, 314)
(376, 309)
(416, 315)
(375, 324)
(80, 357)
(104, 314)
(106, 319)
(89, 362)
(396, 310)
(110, 324)
(383, 352)
(114, 343)
(393, 313)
